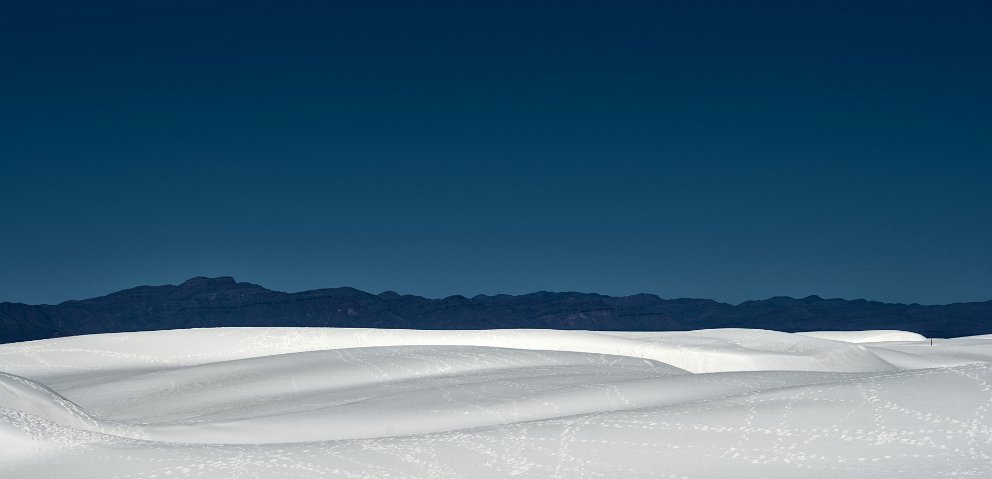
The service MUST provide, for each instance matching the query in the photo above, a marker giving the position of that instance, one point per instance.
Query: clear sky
(723, 149)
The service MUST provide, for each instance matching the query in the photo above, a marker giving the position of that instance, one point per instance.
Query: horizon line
(233, 280)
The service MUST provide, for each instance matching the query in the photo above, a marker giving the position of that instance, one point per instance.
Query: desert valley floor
(363, 403)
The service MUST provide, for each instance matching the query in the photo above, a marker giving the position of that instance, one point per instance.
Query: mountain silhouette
(217, 302)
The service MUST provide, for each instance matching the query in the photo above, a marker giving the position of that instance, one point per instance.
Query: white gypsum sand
(365, 403)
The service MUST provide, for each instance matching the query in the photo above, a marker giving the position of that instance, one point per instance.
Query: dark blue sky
(731, 150)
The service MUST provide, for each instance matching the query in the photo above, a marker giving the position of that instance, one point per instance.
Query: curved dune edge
(375, 392)
(247, 385)
(717, 350)
(873, 336)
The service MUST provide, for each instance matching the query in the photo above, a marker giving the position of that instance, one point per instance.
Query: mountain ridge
(223, 301)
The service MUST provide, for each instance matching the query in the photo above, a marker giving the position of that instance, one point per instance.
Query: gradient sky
(723, 149)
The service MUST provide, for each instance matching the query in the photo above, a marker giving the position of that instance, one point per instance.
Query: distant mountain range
(214, 302)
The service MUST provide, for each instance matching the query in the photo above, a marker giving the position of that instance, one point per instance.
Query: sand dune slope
(386, 403)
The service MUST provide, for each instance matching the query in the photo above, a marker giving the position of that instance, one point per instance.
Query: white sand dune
(875, 336)
(363, 403)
